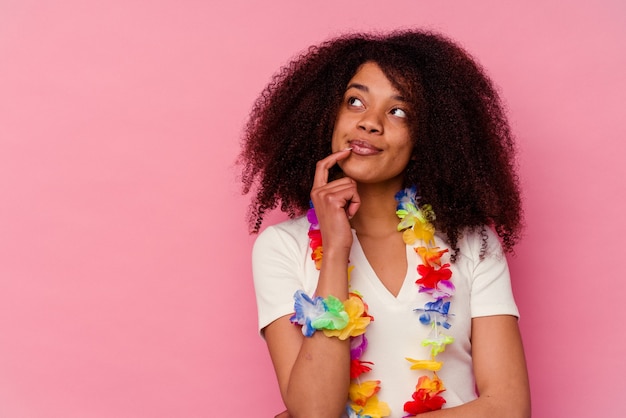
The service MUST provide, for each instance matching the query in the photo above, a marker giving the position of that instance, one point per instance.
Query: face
(373, 121)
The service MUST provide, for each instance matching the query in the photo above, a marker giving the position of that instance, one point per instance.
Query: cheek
(334, 143)
(337, 140)
(406, 155)
(405, 143)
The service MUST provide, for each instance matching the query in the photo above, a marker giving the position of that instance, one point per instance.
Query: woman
(398, 148)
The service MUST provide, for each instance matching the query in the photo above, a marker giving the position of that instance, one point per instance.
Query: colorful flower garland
(350, 318)
(434, 280)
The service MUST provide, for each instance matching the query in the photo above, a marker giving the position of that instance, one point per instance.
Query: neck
(376, 216)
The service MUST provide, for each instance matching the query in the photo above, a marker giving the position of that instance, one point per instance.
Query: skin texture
(500, 370)
(372, 110)
(313, 373)
(463, 156)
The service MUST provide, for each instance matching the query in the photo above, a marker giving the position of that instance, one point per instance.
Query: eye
(396, 111)
(353, 101)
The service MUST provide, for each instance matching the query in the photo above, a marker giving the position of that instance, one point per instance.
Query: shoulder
(290, 235)
(480, 244)
(293, 229)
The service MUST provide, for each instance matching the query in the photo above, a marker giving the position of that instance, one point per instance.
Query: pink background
(125, 286)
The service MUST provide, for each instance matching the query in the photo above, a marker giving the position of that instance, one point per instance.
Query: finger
(339, 191)
(321, 169)
(353, 205)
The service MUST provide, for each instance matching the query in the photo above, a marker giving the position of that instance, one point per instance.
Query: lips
(360, 147)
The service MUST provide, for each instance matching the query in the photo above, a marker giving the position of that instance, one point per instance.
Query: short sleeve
(491, 292)
(276, 270)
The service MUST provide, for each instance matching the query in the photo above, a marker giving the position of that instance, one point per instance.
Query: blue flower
(306, 311)
(435, 312)
(407, 199)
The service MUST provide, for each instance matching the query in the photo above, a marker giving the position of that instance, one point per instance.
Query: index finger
(323, 166)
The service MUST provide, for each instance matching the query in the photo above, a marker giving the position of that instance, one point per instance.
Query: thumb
(353, 206)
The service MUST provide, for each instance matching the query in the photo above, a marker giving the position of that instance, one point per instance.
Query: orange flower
(433, 386)
(316, 255)
(430, 256)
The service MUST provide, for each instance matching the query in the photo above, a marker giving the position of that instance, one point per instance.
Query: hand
(335, 203)
(284, 414)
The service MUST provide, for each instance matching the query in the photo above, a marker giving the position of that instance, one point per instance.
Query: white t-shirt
(282, 264)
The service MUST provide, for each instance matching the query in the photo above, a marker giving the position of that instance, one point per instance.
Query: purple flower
(358, 345)
(312, 218)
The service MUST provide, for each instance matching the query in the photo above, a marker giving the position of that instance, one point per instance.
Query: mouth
(360, 147)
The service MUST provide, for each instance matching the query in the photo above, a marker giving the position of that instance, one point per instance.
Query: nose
(370, 122)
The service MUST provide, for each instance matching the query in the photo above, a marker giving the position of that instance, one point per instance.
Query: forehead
(370, 78)
(370, 70)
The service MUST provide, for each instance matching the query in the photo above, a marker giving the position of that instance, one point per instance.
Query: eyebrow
(366, 90)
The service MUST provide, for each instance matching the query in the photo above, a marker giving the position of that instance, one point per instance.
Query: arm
(314, 373)
(500, 371)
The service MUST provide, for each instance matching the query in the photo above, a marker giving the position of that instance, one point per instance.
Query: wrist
(337, 256)
(330, 315)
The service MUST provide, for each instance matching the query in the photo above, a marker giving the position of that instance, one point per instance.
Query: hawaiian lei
(350, 318)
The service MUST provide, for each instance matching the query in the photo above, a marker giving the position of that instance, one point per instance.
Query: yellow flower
(432, 365)
(357, 321)
(350, 268)
(373, 408)
(421, 231)
(359, 393)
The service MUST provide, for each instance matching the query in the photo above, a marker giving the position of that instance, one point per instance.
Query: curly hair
(464, 154)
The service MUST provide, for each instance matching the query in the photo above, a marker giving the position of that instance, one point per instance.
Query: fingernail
(348, 149)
